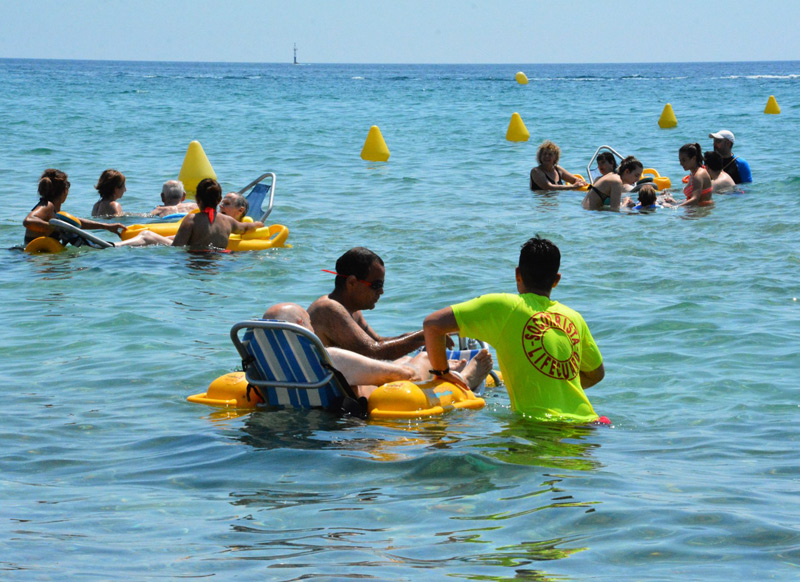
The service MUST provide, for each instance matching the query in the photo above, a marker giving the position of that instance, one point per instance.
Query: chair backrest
(260, 192)
(288, 364)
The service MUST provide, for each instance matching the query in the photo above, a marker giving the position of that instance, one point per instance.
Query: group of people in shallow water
(204, 226)
(717, 170)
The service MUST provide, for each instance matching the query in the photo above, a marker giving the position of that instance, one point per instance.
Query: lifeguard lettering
(553, 365)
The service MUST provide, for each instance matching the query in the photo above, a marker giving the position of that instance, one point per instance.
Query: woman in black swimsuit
(606, 192)
(548, 175)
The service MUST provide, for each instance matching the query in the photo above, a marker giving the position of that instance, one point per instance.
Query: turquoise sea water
(106, 471)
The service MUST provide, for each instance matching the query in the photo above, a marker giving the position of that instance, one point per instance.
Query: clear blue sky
(410, 31)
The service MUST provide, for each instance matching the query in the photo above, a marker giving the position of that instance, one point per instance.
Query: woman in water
(111, 187)
(53, 192)
(607, 191)
(698, 190)
(606, 163)
(548, 175)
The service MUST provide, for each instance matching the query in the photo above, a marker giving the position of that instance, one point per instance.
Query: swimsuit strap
(603, 197)
(210, 211)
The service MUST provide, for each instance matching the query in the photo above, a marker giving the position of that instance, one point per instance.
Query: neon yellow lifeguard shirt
(541, 346)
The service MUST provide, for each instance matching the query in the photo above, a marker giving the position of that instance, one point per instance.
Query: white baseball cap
(722, 134)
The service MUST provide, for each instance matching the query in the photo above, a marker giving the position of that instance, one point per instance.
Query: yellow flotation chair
(286, 366)
(266, 237)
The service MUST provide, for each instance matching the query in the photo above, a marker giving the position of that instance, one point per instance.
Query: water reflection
(555, 445)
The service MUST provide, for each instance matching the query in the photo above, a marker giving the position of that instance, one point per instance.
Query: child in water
(111, 187)
(53, 192)
(648, 196)
(209, 229)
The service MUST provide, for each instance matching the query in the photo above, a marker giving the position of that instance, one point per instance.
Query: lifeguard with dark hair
(546, 353)
(338, 319)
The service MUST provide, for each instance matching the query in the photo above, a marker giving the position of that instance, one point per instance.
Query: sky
(402, 31)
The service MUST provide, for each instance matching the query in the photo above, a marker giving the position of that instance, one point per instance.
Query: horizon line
(290, 63)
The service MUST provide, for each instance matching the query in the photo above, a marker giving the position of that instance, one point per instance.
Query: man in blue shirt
(736, 167)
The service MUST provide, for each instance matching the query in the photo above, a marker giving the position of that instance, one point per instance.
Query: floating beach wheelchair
(267, 237)
(649, 175)
(286, 366)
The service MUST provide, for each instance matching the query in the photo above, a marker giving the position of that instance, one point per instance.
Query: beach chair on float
(256, 192)
(288, 367)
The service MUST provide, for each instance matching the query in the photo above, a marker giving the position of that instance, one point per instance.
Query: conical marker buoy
(375, 149)
(516, 129)
(521, 78)
(195, 168)
(772, 106)
(667, 118)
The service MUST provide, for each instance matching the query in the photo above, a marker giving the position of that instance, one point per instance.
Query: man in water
(736, 167)
(546, 353)
(338, 319)
(173, 196)
(362, 371)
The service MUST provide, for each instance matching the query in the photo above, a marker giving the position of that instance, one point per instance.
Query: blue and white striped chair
(289, 366)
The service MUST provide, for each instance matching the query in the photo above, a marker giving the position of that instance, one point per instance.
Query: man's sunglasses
(374, 285)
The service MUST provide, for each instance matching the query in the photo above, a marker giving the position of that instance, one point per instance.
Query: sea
(107, 472)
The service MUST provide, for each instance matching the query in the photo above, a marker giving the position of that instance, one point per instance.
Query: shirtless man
(337, 317)
(209, 229)
(721, 181)
(173, 196)
(362, 371)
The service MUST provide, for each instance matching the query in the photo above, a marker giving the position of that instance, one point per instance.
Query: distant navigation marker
(295, 54)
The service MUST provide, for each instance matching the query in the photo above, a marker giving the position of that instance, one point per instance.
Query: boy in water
(648, 196)
(209, 229)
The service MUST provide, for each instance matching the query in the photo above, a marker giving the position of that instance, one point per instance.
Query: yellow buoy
(667, 118)
(195, 168)
(516, 129)
(521, 78)
(375, 149)
(772, 106)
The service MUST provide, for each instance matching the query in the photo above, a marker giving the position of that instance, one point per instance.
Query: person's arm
(243, 227)
(436, 327)
(744, 171)
(697, 190)
(36, 223)
(589, 379)
(615, 194)
(337, 327)
(184, 231)
(115, 227)
(571, 179)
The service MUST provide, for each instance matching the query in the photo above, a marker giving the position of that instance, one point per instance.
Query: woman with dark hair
(606, 163)
(698, 190)
(53, 192)
(548, 175)
(607, 191)
(111, 187)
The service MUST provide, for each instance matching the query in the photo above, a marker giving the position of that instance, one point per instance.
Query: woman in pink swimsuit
(698, 190)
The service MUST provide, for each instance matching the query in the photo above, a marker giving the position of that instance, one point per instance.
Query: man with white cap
(738, 169)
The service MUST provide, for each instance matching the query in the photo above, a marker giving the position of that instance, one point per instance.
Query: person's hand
(449, 343)
(579, 183)
(456, 379)
(118, 228)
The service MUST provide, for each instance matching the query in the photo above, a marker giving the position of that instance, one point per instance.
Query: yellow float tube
(659, 181)
(266, 237)
(395, 400)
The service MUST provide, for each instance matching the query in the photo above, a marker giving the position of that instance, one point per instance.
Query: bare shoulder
(325, 306)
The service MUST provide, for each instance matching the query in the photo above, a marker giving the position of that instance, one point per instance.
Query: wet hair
(647, 195)
(629, 164)
(208, 193)
(357, 261)
(694, 151)
(109, 181)
(608, 158)
(539, 261)
(173, 192)
(548, 146)
(713, 161)
(52, 184)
